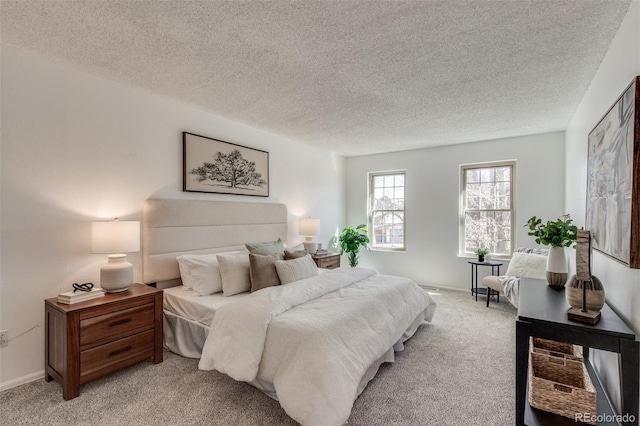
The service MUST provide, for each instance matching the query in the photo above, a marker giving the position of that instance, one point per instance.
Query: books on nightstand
(79, 296)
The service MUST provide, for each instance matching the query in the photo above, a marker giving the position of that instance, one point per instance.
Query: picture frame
(212, 165)
(613, 180)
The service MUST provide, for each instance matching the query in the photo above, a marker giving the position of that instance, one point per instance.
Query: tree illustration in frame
(211, 165)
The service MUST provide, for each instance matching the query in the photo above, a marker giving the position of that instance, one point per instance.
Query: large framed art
(211, 165)
(613, 180)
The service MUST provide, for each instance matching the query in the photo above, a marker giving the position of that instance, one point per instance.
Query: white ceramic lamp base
(117, 275)
(311, 246)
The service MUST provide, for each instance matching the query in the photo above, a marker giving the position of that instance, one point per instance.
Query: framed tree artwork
(211, 165)
(613, 180)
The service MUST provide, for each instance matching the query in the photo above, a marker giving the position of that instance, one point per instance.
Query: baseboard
(21, 380)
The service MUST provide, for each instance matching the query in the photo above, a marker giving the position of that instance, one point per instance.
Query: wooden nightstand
(88, 340)
(328, 261)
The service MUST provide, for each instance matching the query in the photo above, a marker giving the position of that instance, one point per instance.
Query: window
(386, 204)
(486, 214)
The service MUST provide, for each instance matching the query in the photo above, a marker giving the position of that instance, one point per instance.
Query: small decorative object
(613, 187)
(80, 293)
(210, 165)
(585, 293)
(351, 240)
(481, 254)
(309, 227)
(558, 234)
(116, 237)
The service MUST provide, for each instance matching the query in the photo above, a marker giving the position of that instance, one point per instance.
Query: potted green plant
(557, 234)
(351, 240)
(481, 252)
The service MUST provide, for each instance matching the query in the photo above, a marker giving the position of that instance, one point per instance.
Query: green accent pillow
(265, 248)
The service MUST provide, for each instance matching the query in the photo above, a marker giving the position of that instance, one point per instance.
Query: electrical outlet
(4, 338)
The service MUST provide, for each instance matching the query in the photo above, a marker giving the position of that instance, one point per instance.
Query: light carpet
(458, 370)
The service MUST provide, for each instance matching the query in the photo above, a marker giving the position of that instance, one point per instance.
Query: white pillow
(296, 269)
(528, 265)
(234, 271)
(201, 272)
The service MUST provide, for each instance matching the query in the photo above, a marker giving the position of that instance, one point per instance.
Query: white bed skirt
(186, 338)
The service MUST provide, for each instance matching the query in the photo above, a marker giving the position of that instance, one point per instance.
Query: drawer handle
(120, 351)
(120, 322)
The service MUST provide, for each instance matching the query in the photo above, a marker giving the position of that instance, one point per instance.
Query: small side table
(88, 340)
(495, 270)
(327, 261)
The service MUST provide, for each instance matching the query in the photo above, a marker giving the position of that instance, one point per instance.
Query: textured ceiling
(355, 77)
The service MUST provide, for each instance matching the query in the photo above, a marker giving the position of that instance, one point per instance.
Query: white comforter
(315, 338)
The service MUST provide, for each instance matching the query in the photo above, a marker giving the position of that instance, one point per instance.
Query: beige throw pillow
(289, 255)
(262, 271)
(296, 269)
(234, 271)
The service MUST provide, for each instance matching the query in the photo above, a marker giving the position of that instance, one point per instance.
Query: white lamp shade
(309, 226)
(115, 236)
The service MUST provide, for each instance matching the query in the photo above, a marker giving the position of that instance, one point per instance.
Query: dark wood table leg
(522, 363)
(472, 265)
(476, 282)
(629, 373)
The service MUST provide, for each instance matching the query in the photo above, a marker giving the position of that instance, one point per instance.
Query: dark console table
(542, 312)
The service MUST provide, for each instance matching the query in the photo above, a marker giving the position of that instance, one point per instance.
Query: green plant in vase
(558, 234)
(351, 240)
(481, 252)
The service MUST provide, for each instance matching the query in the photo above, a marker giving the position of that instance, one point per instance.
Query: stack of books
(79, 296)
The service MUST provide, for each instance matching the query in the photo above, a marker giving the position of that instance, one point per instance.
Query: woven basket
(560, 385)
(553, 348)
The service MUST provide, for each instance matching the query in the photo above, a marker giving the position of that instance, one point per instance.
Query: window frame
(463, 210)
(371, 210)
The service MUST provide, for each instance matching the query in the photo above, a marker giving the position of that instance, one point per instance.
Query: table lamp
(116, 238)
(309, 227)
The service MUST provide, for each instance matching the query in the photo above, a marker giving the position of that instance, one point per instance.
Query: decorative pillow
(298, 247)
(541, 251)
(296, 269)
(185, 273)
(268, 247)
(290, 254)
(234, 271)
(201, 272)
(262, 271)
(527, 265)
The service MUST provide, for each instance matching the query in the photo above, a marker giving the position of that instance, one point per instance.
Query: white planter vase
(557, 271)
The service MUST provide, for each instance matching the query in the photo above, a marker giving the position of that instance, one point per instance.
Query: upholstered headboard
(174, 227)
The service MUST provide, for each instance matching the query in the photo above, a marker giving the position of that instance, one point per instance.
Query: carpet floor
(457, 370)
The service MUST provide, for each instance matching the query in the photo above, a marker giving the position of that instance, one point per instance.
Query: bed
(313, 344)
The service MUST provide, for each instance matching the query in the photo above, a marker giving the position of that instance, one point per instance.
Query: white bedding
(188, 304)
(316, 338)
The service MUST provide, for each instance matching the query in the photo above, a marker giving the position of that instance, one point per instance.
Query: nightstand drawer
(113, 356)
(108, 327)
(329, 262)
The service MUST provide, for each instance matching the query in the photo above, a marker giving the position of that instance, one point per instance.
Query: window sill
(388, 250)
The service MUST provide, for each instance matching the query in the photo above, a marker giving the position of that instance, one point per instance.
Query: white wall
(432, 201)
(622, 285)
(76, 148)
